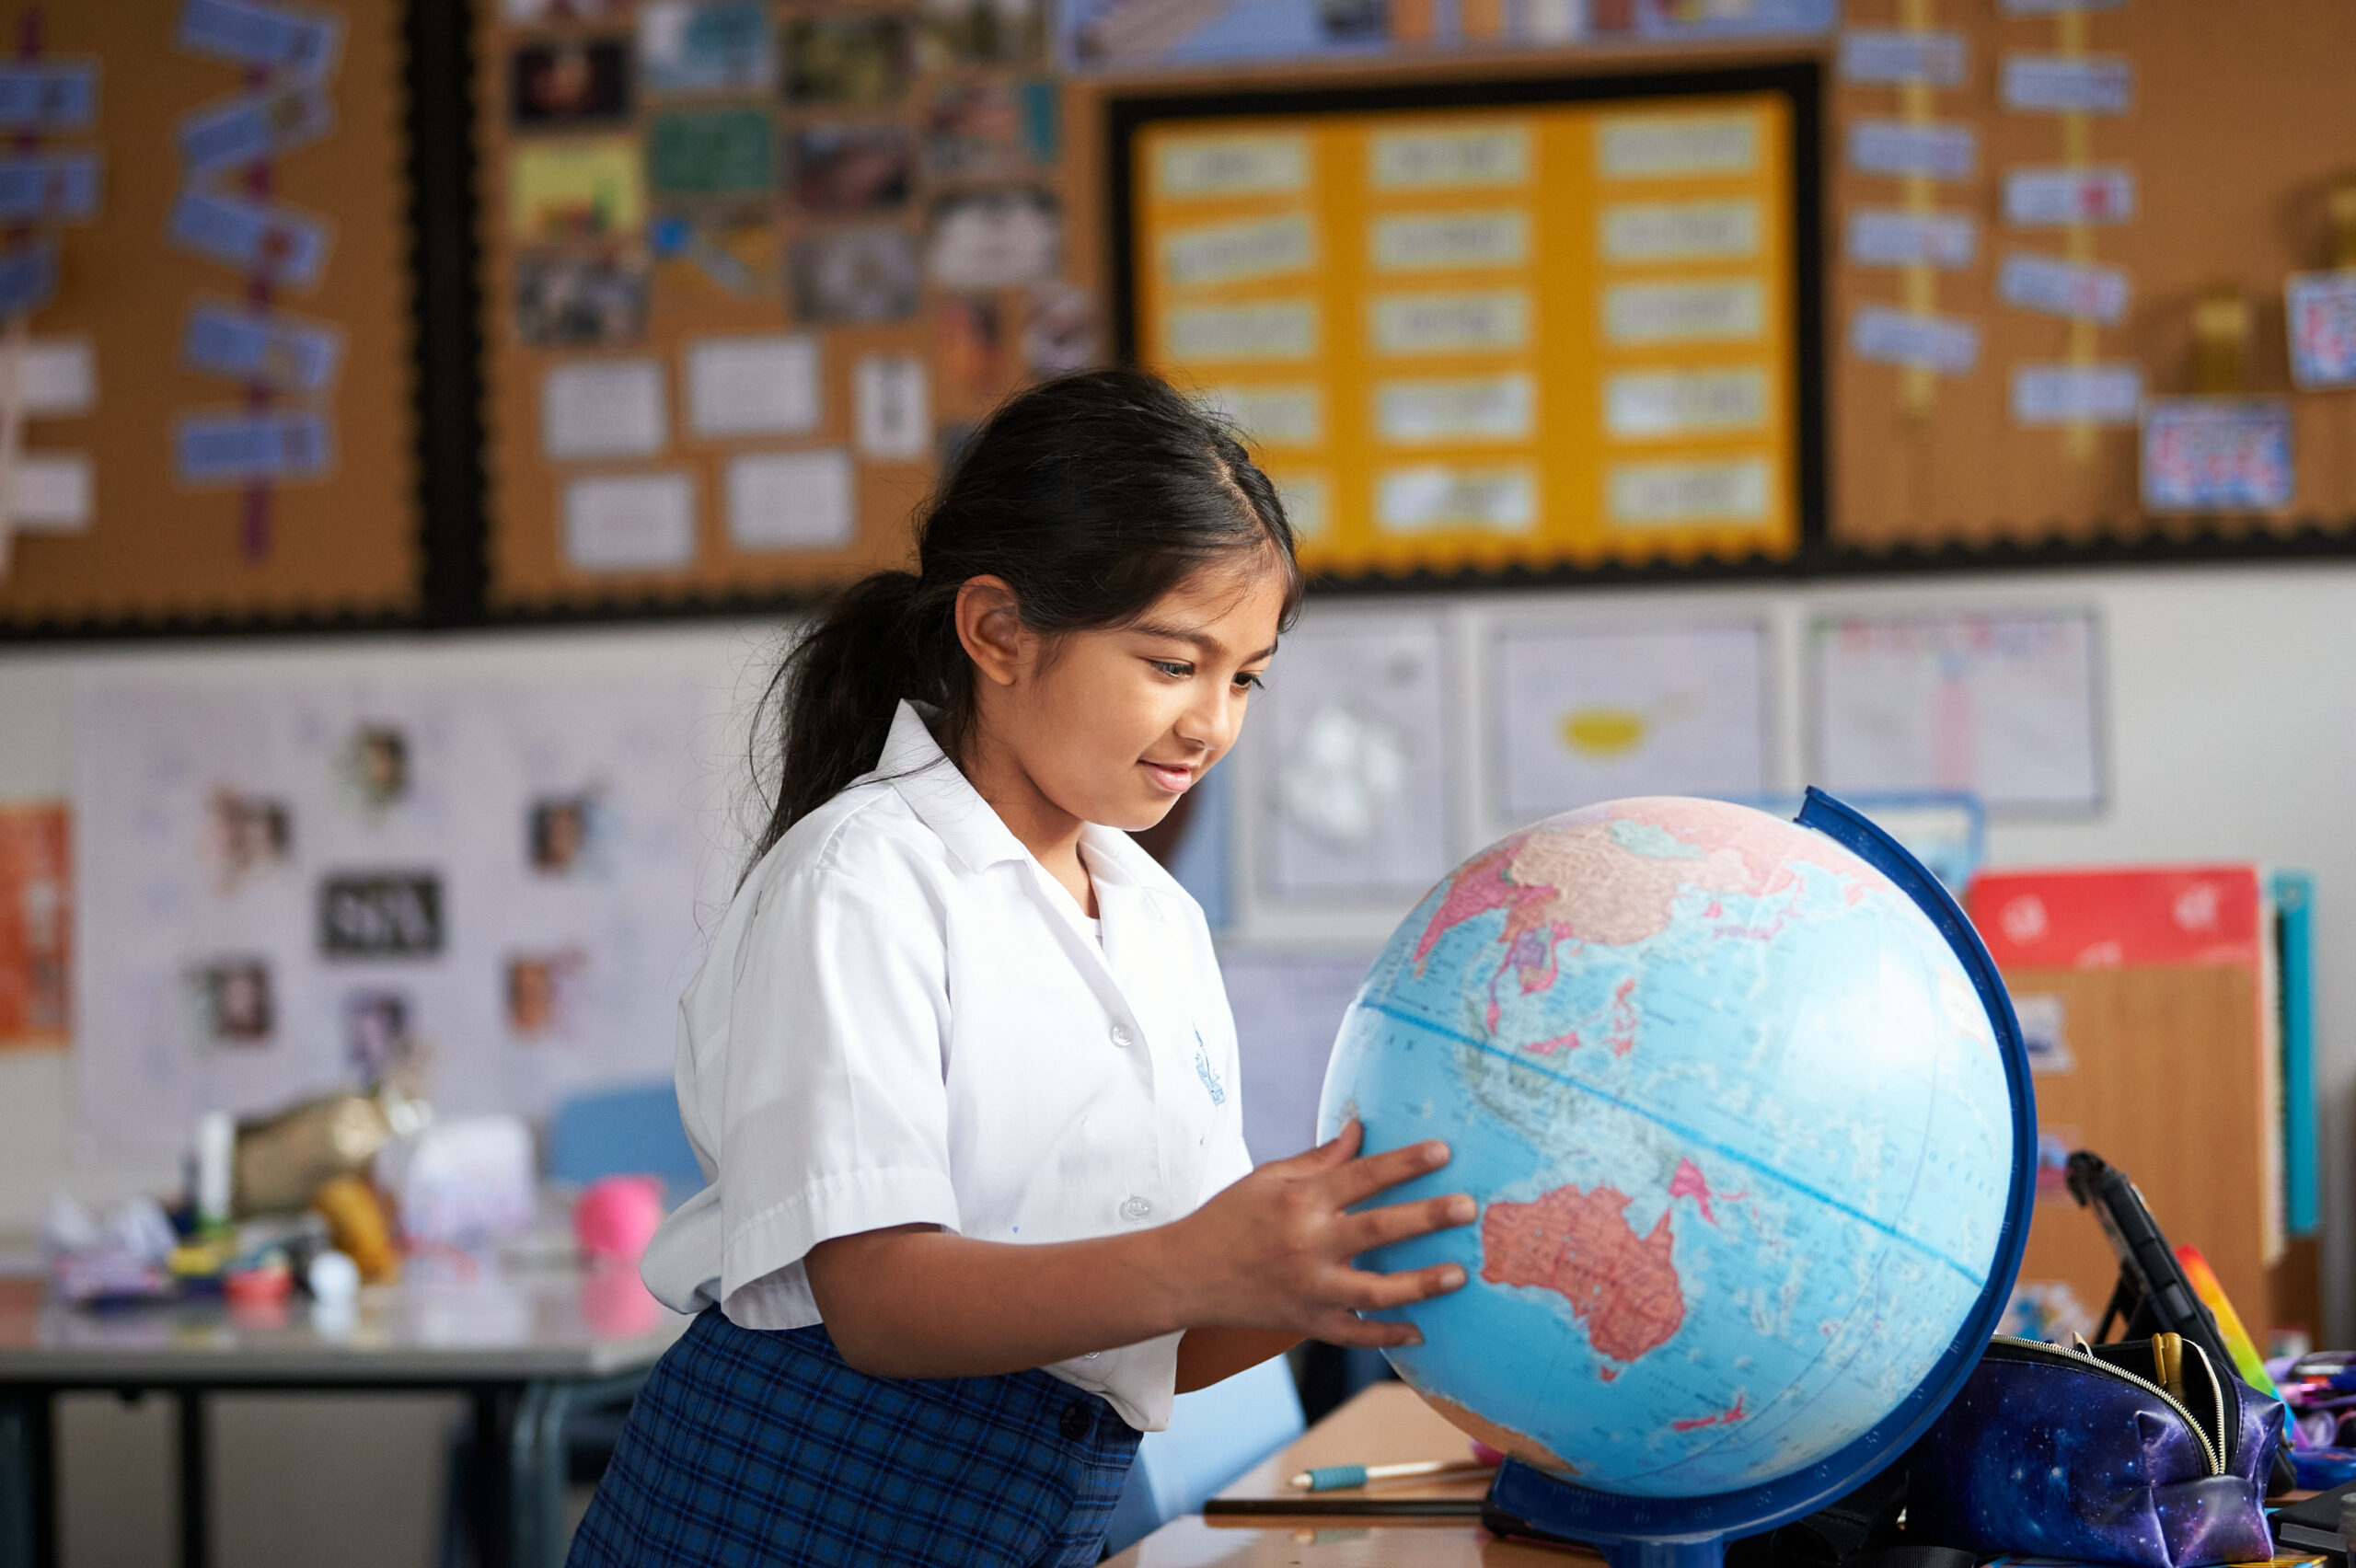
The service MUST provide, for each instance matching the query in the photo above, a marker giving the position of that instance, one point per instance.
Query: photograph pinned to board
(980, 32)
(2006, 707)
(568, 83)
(1355, 766)
(854, 276)
(847, 60)
(35, 925)
(992, 239)
(565, 300)
(2218, 454)
(992, 130)
(1587, 716)
(969, 347)
(706, 46)
(848, 171)
(1059, 330)
(574, 190)
(703, 155)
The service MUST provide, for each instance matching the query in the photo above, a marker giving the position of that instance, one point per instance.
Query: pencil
(1328, 1478)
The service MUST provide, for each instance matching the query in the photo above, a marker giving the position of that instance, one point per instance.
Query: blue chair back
(1215, 1435)
(627, 1130)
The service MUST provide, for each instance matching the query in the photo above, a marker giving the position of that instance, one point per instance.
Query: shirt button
(1076, 1420)
(1122, 1037)
(1134, 1208)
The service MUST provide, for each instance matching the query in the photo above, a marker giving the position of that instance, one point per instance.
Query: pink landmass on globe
(1570, 879)
(1726, 1417)
(1579, 1245)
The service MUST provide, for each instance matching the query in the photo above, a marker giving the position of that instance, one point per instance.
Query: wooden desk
(1435, 1526)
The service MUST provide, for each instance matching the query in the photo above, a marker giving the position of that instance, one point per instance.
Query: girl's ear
(989, 625)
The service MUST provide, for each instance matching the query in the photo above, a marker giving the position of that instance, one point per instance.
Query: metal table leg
(28, 1478)
(496, 1413)
(196, 1487)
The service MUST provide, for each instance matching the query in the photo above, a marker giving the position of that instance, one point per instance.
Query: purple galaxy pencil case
(2054, 1452)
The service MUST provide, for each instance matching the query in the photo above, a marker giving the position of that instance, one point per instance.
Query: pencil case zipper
(2216, 1451)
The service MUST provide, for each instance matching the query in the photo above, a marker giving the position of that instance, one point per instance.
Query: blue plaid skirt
(749, 1446)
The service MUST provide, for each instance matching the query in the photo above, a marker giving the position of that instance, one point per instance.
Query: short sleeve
(835, 1109)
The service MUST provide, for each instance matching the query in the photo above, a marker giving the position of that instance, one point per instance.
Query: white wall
(2231, 707)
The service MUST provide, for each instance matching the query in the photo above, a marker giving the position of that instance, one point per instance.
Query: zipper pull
(2167, 1364)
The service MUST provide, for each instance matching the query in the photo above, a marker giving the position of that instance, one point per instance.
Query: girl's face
(1112, 726)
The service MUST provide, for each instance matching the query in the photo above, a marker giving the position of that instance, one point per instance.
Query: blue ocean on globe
(1739, 1128)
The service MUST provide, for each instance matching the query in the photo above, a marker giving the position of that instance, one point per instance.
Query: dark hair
(1091, 495)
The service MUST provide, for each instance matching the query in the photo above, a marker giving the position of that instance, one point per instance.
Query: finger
(1374, 1333)
(1335, 1151)
(1369, 1228)
(1368, 1292)
(1361, 1179)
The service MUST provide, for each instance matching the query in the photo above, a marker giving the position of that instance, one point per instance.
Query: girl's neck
(1049, 832)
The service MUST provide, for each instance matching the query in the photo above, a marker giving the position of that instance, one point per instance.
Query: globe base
(1560, 1508)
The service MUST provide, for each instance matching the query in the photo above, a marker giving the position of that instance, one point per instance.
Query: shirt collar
(914, 764)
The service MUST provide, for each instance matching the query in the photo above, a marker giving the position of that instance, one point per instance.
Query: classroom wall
(2231, 730)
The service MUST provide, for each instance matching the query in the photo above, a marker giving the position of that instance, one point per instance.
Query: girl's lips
(1173, 779)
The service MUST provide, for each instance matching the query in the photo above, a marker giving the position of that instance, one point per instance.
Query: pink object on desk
(616, 1216)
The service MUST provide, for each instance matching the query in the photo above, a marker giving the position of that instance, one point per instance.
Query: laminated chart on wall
(2006, 707)
(1554, 335)
(217, 400)
(1578, 717)
(1354, 763)
(748, 272)
(486, 889)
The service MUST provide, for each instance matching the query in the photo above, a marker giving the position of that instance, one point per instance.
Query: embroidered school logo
(1204, 1071)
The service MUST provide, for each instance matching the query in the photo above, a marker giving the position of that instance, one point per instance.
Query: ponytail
(1092, 496)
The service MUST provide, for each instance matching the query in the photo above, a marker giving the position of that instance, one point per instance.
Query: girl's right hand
(1274, 1250)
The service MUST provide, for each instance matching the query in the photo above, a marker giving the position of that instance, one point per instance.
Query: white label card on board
(894, 407)
(1484, 407)
(1443, 495)
(1470, 322)
(1248, 164)
(764, 385)
(1459, 158)
(1890, 58)
(1292, 415)
(1265, 330)
(1239, 252)
(792, 501)
(604, 408)
(630, 521)
(1650, 404)
(2081, 291)
(1944, 344)
(1426, 242)
(2068, 84)
(1683, 312)
(1681, 231)
(1895, 148)
(2076, 394)
(2055, 198)
(1886, 236)
(1666, 146)
(1670, 495)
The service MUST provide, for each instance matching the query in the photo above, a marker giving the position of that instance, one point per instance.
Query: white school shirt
(901, 1020)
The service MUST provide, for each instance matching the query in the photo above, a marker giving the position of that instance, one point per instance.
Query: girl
(959, 1063)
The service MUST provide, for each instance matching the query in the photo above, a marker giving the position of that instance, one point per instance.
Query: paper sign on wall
(1944, 344)
(1897, 147)
(1887, 237)
(1589, 716)
(895, 411)
(2082, 290)
(604, 408)
(754, 386)
(2217, 455)
(2000, 706)
(2066, 84)
(630, 521)
(2073, 394)
(2321, 312)
(791, 500)
(2056, 198)
(1890, 58)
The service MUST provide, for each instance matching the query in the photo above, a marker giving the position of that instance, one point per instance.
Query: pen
(2167, 1362)
(1328, 1478)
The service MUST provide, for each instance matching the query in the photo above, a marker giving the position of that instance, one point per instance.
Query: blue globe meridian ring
(1747, 1116)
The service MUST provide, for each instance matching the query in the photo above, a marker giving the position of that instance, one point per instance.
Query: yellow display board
(1538, 336)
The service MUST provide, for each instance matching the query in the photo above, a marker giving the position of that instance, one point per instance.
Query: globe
(1743, 1111)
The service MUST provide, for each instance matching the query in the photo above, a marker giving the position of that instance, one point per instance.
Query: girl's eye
(1246, 681)
(1176, 668)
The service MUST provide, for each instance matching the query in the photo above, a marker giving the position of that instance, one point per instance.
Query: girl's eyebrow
(1210, 646)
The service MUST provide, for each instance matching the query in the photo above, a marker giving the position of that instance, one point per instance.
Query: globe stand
(1692, 1532)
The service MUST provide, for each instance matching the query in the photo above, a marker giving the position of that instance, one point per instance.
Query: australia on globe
(1737, 1125)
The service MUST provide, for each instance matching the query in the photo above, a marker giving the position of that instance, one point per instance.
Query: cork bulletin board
(2194, 157)
(748, 271)
(215, 375)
